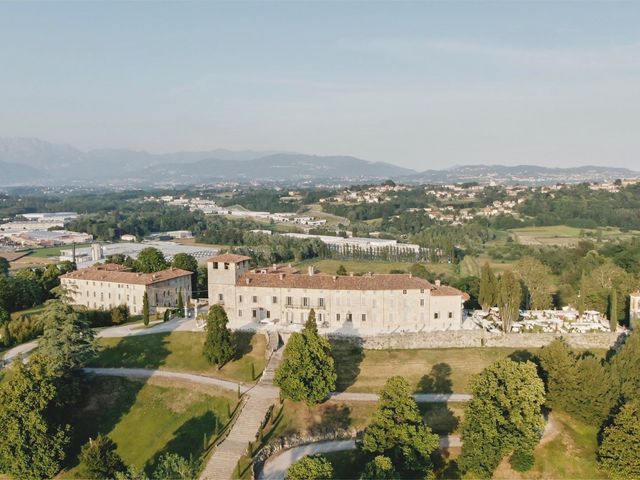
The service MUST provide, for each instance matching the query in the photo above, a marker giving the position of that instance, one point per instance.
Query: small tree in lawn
(399, 432)
(145, 308)
(619, 452)
(313, 467)
(307, 372)
(341, 270)
(99, 459)
(218, 346)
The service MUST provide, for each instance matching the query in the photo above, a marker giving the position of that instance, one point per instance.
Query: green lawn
(469, 267)
(53, 251)
(28, 312)
(148, 419)
(182, 351)
(570, 454)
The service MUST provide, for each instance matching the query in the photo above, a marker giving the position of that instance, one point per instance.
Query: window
(254, 299)
(239, 298)
(422, 302)
(274, 300)
(404, 292)
(364, 317)
(349, 317)
(337, 317)
(268, 314)
(450, 314)
(215, 265)
(422, 290)
(239, 313)
(305, 301)
(436, 315)
(255, 313)
(289, 301)
(226, 266)
(220, 297)
(321, 302)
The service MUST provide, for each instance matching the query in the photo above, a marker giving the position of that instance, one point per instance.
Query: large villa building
(105, 286)
(367, 304)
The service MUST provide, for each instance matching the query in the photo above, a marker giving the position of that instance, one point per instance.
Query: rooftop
(229, 258)
(321, 281)
(119, 274)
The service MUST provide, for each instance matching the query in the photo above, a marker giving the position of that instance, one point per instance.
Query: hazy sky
(423, 85)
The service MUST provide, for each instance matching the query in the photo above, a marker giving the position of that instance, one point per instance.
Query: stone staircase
(222, 463)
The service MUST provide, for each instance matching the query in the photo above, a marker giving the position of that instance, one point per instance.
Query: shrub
(522, 460)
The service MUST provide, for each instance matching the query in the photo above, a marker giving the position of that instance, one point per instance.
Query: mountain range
(30, 161)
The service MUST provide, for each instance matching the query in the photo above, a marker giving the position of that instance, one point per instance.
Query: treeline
(581, 207)
(138, 219)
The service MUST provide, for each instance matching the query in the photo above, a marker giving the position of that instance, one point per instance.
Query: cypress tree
(509, 299)
(613, 309)
(487, 294)
(218, 346)
(145, 308)
(180, 306)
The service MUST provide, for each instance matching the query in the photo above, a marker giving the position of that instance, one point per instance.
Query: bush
(99, 459)
(522, 460)
(119, 314)
(172, 466)
(314, 467)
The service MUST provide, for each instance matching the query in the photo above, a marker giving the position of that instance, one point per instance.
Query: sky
(418, 84)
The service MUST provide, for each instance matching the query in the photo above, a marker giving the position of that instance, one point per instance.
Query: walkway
(276, 466)
(223, 461)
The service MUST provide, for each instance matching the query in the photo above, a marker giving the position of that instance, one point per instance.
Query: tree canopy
(307, 372)
(398, 431)
(311, 467)
(218, 345)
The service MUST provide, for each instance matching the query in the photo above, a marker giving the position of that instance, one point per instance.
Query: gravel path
(276, 466)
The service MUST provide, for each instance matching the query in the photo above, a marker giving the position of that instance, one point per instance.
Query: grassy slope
(148, 419)
(181, 351)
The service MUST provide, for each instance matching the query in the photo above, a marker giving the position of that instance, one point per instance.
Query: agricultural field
(564, 236)
(148, 419)
(182, 351)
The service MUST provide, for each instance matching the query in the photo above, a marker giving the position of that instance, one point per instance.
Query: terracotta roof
(321, 281)
(121, 276)
(447, 291)
(229, 258)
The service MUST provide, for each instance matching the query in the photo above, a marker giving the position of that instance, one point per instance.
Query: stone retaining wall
(476, 338)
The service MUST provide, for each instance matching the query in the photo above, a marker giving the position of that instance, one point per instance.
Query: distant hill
(32, 161)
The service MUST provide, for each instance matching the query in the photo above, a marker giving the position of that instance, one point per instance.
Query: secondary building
(367, 304)
(108, 285)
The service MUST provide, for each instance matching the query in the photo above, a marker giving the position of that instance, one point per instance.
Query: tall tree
(509, 299)
(537, 278)
(619, 452)
(180, 305)
(145, 308)
(218, 345)
(187, 262)
(613, 309)
(4, 266)
(559, 364)
(504, 416)
(398, 431)
(151, 260)
(625, 373)
(32, 444)
(380, 468)
(307, 372)
(488, 287)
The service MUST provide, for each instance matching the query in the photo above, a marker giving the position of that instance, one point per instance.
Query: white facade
(353, 305)
(103, 289)
(634, 310)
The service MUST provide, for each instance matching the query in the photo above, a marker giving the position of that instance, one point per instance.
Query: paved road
(151, 373)
(420, 397)
(276, 466)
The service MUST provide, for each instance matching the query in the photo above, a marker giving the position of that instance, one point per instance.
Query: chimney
(248, 281)
(351, 274)
(437, 283)
(311, 271)
(290, 266)
(275, 267)
(410, 275)
(282, 276)
(334, 278)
